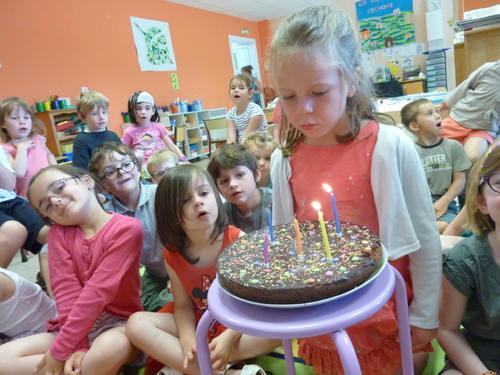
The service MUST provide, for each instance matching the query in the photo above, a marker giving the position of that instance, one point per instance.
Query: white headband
(146, 97)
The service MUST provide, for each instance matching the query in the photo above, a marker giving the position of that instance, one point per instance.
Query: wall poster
(153, 45)
(385, 23)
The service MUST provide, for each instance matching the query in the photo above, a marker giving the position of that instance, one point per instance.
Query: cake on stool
(290, 278)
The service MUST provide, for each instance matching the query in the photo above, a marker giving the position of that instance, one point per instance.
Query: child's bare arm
(7, 178)
(172, 147)
(20, 162)
(253, 126)
(451, 339)
(221, 347)
(231, 131)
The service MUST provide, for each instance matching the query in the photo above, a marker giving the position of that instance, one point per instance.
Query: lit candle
(266, 250)
(270, 222)
(317, 206)
(334, 207)
(297, 233)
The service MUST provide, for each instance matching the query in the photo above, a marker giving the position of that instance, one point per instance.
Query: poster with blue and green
(385, 23)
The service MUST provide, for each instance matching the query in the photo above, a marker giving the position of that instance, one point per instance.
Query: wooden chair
(270, 129)
(269, 115)
(180, 137)
(216, 132)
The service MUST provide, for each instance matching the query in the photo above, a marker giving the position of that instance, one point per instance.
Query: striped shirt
(241, 121)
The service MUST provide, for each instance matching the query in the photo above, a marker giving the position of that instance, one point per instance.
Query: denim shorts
(450, 214)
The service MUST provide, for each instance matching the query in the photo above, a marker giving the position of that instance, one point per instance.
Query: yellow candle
(325, 237)
(297, 233)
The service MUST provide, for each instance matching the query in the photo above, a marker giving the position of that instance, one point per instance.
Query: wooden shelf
(49, 118)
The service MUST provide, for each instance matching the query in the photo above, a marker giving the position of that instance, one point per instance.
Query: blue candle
(270, 222)
(334, 207)
(266, 250)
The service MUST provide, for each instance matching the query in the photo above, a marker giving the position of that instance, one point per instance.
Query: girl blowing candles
(94, 272)
(192, 225)
(24, 143)
(247, 117)
(471, 282)
(377, 177)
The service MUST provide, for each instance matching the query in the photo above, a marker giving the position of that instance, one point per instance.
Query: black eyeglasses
(126, 167)
(158, 175)
(493, 181)
(56, 190)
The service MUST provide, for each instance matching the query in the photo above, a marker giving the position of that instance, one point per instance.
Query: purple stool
(292, 323)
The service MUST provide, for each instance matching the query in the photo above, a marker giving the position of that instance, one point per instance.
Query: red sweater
(90, 276)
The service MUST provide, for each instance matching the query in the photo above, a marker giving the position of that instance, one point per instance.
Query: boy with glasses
(118, 170)
(444, 160)
(160, 163)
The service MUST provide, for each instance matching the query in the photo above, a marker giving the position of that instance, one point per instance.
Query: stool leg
(289, 360)
(403, 323)
(202, 344)
(346, 352)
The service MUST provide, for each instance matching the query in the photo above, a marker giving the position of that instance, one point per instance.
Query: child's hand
(443, 106)
(440, 208)
(26, 144)
(421, 337)
(220, 349)
(52, 366)
(73, 364)
(189, 354)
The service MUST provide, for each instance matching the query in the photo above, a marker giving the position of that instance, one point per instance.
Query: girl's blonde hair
(489, 163)
(13, 104)
(260, 139)
(323, 33)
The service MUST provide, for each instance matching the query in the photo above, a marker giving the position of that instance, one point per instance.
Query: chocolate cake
(291, 279)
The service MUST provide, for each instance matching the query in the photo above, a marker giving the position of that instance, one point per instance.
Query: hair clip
(488, 152)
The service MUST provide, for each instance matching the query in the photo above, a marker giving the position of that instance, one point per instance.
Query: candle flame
(327, 188)
(316, 205)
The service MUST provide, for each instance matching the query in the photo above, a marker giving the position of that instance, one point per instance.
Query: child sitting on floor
(160, 163)
(236, 173)
(262, 145)
(444, 160)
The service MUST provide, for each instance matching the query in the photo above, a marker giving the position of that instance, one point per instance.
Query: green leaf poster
(385, 23)
(153, 44)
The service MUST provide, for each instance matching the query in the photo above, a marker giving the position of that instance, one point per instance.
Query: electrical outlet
(85, 89)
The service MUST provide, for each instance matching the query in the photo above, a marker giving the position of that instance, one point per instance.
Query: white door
(244, 52)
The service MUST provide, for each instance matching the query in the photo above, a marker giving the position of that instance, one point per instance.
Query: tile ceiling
(252, 10)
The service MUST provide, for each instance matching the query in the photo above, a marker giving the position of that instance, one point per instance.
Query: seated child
(24, 307)
(236, 173)
(160, 163)
(444, 160)
(94, 269)
(20, 225)
(117, 168)
(262, 145)
(193, 243)
(23, 140)
(92, 108)
(469, 315)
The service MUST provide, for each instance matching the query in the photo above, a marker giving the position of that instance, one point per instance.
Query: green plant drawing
(157, 47)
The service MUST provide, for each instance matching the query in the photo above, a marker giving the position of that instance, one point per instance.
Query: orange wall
(57, 49)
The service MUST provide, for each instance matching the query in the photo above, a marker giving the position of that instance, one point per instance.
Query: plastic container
(198, 105)
(183, 107)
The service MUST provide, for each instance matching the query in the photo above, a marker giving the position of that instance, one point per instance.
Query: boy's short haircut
(260, 139)
(104, 150)
(231, 156)
(410, 111)
(86, 102)
(162, 156)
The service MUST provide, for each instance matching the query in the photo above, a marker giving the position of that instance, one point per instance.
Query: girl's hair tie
(488, 152)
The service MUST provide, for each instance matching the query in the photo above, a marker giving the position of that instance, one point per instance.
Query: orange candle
(297, 233)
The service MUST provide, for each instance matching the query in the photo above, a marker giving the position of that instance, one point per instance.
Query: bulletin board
(385, 23)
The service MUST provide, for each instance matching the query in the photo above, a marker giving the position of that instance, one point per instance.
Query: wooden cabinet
(193, 141)
(480, 46)
(414, 86)
(50, 118)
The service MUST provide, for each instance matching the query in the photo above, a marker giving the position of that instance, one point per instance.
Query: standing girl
(471, 282)
(94, 273)
(147, 134)
(24, 143)
(247, 117)
(193, 226)
(373, 169)
(256, 85)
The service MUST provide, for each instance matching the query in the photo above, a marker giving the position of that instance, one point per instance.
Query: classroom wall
(57, 49)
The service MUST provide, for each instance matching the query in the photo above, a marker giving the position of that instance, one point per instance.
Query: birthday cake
(290, 278)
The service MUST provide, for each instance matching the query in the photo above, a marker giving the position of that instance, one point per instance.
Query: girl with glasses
(470, 308)
(94, 272)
